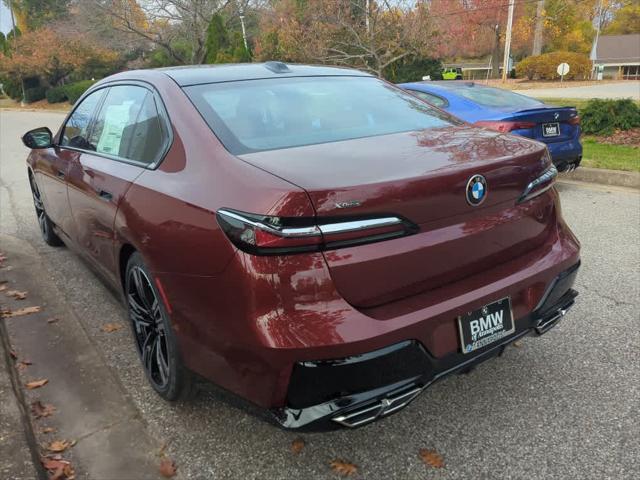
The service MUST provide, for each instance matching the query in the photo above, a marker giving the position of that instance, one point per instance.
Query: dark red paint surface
(243, 320)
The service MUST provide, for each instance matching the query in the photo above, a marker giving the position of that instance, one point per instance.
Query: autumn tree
(626, 20)
(179, 27)
(344, 32)
(32, 14)
(45, 54)
(471, 28)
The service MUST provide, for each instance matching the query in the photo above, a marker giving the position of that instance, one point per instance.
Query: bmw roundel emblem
(476, 190)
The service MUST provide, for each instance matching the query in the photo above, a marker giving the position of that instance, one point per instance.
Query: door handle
(60, 174)
(104, 195)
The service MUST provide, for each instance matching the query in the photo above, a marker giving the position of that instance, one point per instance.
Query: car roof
(200, 74)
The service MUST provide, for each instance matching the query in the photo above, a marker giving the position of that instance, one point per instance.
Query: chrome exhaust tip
(547, 323)
(368, 413)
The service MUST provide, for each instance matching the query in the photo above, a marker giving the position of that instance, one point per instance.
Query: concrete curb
(18, 445)
(604, 177)
(91, 405)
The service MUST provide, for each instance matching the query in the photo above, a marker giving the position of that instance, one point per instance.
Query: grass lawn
(579, 103)
(613, 157)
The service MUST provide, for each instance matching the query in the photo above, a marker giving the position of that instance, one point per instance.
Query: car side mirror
(38, 138)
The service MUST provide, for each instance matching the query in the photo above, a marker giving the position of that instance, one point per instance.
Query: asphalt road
(626, 89)
(565, 405)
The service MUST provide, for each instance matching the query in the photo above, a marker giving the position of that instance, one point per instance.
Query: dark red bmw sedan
(313, 239)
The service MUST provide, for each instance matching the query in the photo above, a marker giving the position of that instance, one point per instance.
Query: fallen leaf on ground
(297, 445)
(432, 458)
(343, 468)
(517, 343)
(17, 294)
(36, 383)
(3, 285)
(21, 311)
(52, 320)
(53, 463)
(111, 327)
(167, 467)
(48, 430)
(22, 364)
(40, 409)
(57, 468)
(58, 446)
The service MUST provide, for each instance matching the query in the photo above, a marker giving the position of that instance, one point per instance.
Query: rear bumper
(386, 380)
(566, 155)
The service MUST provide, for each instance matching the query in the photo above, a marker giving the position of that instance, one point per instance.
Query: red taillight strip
(269, 235)
(316, 230)
(504, 126)
(540, 185)
(312, 231)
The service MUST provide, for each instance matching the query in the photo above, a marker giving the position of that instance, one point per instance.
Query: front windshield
(255, 115)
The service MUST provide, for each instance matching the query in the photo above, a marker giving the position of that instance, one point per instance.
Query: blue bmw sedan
(505, 111)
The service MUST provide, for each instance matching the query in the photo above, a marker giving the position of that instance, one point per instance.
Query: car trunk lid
(421, 176)
(545, 118)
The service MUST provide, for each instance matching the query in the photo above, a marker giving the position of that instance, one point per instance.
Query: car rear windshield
(256, 115)
(497, 98)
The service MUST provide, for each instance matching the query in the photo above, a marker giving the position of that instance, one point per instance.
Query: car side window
(432, 99)
(76, 130)
(128, 125)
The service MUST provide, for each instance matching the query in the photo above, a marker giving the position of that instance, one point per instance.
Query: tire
(154, 338)
(44, 222)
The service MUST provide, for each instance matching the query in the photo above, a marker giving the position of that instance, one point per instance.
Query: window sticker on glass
(115, 120)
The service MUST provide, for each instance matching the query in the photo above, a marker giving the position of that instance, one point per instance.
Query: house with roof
(617, 56)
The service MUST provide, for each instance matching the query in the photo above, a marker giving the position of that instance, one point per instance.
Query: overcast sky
(5, 18)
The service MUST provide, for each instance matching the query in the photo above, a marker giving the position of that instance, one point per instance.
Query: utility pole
(244, 31)
(507, 42)
(594, 48)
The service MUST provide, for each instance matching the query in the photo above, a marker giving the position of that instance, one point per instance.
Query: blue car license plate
(551, 129)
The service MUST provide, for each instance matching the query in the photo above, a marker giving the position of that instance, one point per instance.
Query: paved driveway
(564, 405)
(626, 89)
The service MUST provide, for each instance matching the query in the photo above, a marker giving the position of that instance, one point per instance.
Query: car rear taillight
(574, 120)
(540, 185)
(270, 235)
(504, 127)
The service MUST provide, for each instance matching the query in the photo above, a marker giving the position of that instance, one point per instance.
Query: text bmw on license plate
(486, 325)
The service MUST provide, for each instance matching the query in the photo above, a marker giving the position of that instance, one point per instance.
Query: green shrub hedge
(75, 90)
(602, 117)
(34, 94)
(544, 67)
(56, 94)
(11, 87)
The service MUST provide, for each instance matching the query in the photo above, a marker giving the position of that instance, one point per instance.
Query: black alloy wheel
(45, 224)
(153, 335)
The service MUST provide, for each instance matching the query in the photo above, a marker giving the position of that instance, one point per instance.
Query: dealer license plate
(550, 129)
(486, 325)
